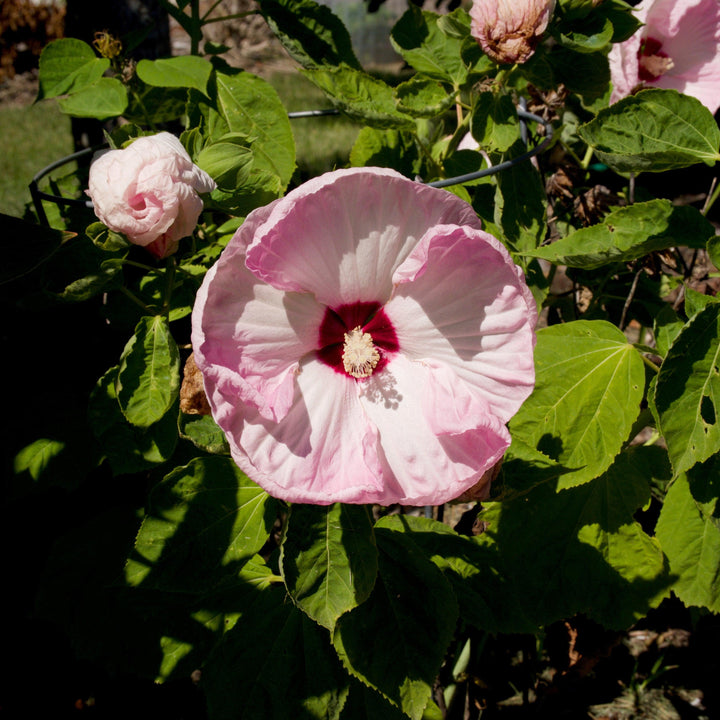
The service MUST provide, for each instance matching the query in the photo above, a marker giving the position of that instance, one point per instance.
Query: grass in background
(36, 135)
(33, 137)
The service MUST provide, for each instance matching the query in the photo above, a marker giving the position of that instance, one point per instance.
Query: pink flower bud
(149, 192)
(509, 30)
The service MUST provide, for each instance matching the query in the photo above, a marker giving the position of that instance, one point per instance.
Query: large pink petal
(461, 301)
(437, 438)
(250, 336)
(340, 236)
(323, 451)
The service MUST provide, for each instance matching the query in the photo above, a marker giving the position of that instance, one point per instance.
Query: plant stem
(212, 7)
(169, 284)
(229, 17)
(585, 163)
(655, 368)
(196, 34)
(131, 296)
(714, 193)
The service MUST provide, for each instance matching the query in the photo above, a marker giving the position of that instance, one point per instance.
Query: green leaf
(524, 467)
(68, 65)
(364, 703)
(630, 233)
(654, 131)
(704, 480)
(695, 301)
(593, 558)
(422, 97)
(495, 123)
(150, 105)
(666, 327)
(396, 640)
(520, 203)
(274, 664)
(588, 388)
(148, 380)
(104, 277)
(620, 14)
(590, 36)
(691, 542)
(687, 395)
(205, 521)
(106, 239)
(485, 598)
(203, 432)
(184, 71)
(328, 559)
(241, 184)
(250, 117)
(106, 98)
(36, 457)
(360, 96)
(587, 75)
(27, 246)
(129, 449)
(713, 248)
(395, 149)
(311, 33)
(418, 38)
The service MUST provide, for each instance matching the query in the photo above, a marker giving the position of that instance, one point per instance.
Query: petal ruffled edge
(460, 299)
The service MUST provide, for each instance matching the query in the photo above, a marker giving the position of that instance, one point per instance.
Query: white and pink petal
(437, 438)
(340, 236)
(324, 450)
(460, 300)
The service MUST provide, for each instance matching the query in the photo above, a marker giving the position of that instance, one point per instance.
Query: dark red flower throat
(370, 317)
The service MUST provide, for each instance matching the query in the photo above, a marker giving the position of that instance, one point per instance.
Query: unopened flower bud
(509, 30)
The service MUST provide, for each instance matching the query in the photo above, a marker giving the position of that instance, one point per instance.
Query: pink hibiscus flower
(362, 340)
(677, 48)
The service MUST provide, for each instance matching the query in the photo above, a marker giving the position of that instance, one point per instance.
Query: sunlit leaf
(106, 98)
(68, 65)
(184, 71)
(148, 381)
(204, 520)
(329, 559)
(687, 395)
(589, 384)
(691, 542)
(654, 130)
(557, 553)
(360, 96)
(630, 233)
(418, 38)
(310, 32)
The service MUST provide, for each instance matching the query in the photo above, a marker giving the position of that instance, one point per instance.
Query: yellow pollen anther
(360, 357)
(656, 65)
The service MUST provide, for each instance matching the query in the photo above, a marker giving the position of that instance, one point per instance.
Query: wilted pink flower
(509, 30)
(149, 192)
(678, 48)
(362, 340)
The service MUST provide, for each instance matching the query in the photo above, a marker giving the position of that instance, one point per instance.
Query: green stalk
(131, 296)
(713, 197)
(169, 284)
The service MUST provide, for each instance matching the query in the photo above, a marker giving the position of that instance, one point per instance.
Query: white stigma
(360, 357)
